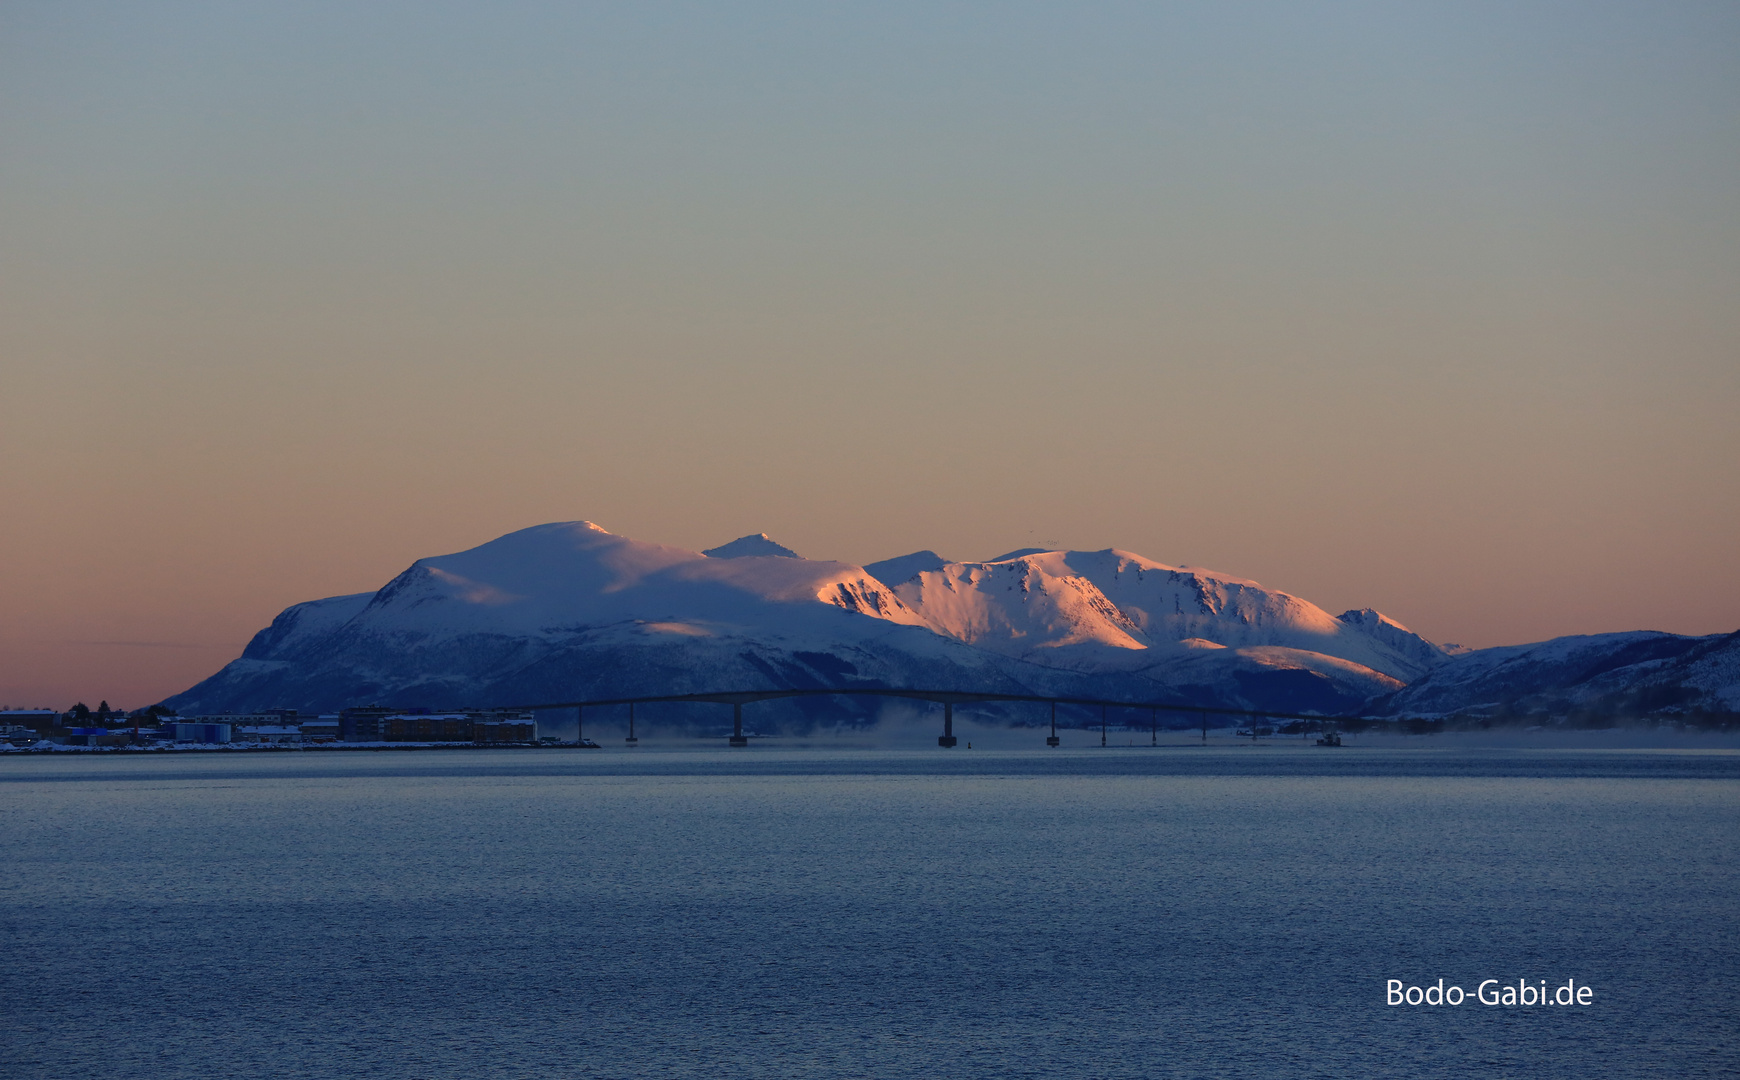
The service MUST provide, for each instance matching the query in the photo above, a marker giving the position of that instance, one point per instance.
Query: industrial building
(375, 724)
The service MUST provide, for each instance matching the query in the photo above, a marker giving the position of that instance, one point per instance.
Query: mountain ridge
(1591, 676)
(568, 609)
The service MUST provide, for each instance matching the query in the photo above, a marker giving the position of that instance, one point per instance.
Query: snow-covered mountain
(1601, 675)
(901, 567)
(1115, 610)
(556, 579)
(569, 610)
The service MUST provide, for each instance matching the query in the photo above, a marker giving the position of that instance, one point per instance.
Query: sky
(1427, 307)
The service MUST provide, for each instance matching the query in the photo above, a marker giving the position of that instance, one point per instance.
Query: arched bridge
(948, 699)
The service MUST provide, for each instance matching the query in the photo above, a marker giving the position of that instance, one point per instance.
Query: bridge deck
(950, 698)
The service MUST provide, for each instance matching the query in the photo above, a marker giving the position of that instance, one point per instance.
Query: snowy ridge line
(569, 609)
(952, 697)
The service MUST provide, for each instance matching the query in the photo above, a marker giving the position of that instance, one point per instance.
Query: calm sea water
(1078, 913)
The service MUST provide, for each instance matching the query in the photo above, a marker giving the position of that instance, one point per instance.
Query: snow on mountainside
(305, 622)
(552, 579)
(1019, 608)
(896, 570)
(1117, 609)
(569, 610)
(1711, 669)
(1399, 639)
(1017, 553)
(1611, 675)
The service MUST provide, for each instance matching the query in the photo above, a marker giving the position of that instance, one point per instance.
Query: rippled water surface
(1092, 913)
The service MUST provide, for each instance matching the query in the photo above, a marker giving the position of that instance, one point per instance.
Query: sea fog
(906, 727)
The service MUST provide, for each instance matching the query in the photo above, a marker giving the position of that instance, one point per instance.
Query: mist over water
(903, 726)
(1000, 912)
(895, 726)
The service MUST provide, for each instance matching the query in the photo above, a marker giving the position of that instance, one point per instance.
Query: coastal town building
(322, 729)
(504, 729)
(269, 734)
(278, 727)
(375, 724)
(200, 732)
(29, 719)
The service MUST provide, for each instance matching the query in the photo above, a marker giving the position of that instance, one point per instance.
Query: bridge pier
(947, 738)
(948, 699)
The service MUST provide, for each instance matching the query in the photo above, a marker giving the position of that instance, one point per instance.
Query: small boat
(1329, 738)
(588, 744)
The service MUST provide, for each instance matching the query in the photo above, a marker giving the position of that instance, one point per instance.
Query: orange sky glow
(1434, 311)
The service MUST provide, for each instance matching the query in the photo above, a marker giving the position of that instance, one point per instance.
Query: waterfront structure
(31, 719)
(267, 718)
(375, 724)
(95, 736)
(271, 734)
(363, 724)
(504, 728)
(201, 733)
(322, 730)
(429, 727)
